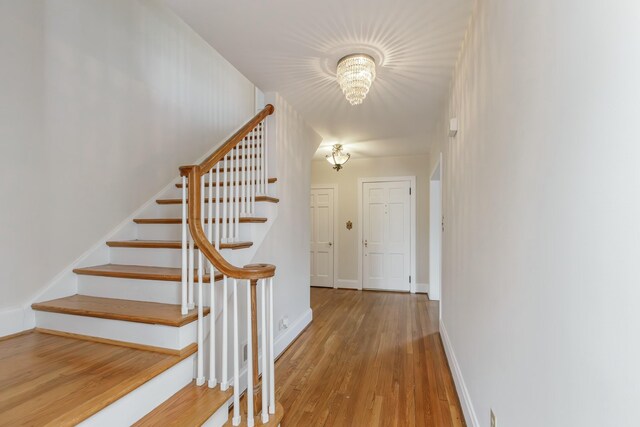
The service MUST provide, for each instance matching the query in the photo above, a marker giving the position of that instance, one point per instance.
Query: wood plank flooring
(48, 380)
(368, 359)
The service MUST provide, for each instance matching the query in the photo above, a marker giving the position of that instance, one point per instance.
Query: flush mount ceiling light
(356, 73)
(337, 157)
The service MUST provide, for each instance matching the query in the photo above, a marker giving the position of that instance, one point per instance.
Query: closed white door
(321, 212)
(386, 235)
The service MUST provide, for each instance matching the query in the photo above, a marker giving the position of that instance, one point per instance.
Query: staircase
(167, 316)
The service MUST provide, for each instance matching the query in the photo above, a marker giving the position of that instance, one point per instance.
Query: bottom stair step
(191, 406)
(60, 381)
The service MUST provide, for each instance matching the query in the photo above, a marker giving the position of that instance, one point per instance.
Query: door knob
(366, 244)
(330, 244)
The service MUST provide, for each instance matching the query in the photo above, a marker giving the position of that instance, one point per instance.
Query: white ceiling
(292, 46)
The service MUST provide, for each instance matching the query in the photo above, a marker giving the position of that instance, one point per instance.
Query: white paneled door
(386, 236)
(321, 211)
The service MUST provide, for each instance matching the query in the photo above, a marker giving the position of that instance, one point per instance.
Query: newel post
(254, 345)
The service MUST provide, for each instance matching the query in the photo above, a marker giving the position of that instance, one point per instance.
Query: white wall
(101, 101)
(542, 205)
(287, 242)
(346, 250)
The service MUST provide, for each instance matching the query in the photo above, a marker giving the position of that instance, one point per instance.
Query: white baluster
(224, 196)
(191, 271)
(225, 370)
(185, 256)
(265, 376)
(257, 162)
(236, 359)
(266, 158)
(249, 164)
(263, 140)
(210, 218)
(252, 173)
(245, 158)
(200, 357)
(213, 381)
(248, 172)
(249, 393)
(272, 361)
(217, 218)
(236, 201)
(233, 194)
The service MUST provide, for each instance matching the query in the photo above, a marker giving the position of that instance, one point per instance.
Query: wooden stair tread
(120, 309)
(191, 406)
(274, 419)
(168, 244)
(268, 199)
(142, 272)
(243, 220)
(48, 380)
(206, 184)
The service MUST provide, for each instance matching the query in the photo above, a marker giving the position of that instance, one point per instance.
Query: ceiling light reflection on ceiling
(356, 73)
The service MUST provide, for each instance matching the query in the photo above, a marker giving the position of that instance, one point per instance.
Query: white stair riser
(135, 405)
(136, 289)
(163, 257)
(147, 256)
(174, 232)
(171, 337)
(175, 211)
(176, 193)
(220, 417)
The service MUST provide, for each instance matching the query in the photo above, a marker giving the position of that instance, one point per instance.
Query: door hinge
(409, 190)
(409, 279)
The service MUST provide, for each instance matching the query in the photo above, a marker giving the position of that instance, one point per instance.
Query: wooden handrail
(219, 154)
(193, 173)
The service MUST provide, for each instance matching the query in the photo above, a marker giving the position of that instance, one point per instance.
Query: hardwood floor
(368, 359)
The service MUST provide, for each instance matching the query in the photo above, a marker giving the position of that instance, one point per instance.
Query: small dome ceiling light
(356, 73)
(337, 157)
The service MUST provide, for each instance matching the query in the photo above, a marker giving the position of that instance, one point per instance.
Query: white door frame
(333, 187)
(412, 200)
(435, 231)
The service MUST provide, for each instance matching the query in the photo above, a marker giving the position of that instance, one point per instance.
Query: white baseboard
(14, 320)
(347, 284)
(422, 288)
(461, 387)
(292, 332)
(281, 343)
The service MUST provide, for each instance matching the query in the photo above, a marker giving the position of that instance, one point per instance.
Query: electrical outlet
(245, 348)
(284, 323)
(494, 421)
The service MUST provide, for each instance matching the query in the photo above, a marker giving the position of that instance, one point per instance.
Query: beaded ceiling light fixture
(356, 73)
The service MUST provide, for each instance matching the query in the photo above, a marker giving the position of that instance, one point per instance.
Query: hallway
(368, 359)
